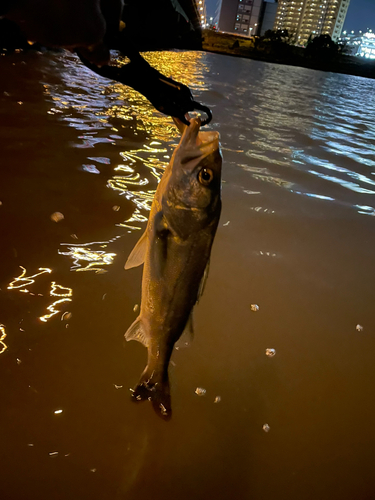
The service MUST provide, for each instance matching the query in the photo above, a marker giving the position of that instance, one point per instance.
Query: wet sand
(296, 238)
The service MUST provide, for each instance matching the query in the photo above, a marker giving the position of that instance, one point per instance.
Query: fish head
(195, 181)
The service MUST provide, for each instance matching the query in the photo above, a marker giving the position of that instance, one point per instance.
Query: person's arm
(88, 27)
(72, 24)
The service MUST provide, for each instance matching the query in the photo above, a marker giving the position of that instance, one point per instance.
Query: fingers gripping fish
(175, 250)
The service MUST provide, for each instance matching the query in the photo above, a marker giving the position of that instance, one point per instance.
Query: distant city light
(362, 44)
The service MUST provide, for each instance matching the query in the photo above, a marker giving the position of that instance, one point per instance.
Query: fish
(175, 251)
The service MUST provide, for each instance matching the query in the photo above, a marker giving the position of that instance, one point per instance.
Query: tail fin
(154, 386)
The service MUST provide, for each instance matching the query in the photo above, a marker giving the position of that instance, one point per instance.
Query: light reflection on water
(57, 291)
(274, 125)
(289, 119)
(312, 280)
(282, 133)
(22, 280)
(136, 217)
(88, 256)
(52, 308)
(3, 346)
(112, 113)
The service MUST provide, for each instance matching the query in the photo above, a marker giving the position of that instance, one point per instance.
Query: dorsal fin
(137, 255)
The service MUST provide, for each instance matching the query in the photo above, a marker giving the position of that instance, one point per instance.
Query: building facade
(311, 18)
(201, 6)
(268, 16)
(239, 16)
(359, 44)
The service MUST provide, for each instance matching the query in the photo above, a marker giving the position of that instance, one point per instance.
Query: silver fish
(175, 249)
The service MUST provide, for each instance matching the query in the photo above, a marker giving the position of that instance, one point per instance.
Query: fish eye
(205, 176)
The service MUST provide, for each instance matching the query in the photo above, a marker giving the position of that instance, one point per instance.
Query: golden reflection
(87, 259)
(185, 67)
(63, 290)
(121, 183)
(142, 199)
(149, 159)
(154, 132)
(52, 309)
(127, 184)
(3, 346)
(57, 291)
(149, 121)
(149, 135)
(136, 217)
(24, 281)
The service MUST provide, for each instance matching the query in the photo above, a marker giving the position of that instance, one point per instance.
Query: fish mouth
(193, 131)
(195, 143)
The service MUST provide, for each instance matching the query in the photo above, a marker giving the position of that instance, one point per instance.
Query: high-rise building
(268, 15)
(305, 18)
(239, 16)
(359, 44)
(201, 6)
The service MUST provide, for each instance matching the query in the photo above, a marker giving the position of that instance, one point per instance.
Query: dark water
(296, 239)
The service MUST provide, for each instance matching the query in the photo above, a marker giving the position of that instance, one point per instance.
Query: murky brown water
(296, 239)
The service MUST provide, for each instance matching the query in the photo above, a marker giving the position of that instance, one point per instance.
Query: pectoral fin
(137, 255)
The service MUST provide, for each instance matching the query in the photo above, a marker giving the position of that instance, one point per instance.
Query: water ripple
(300, 124)
(309, 132)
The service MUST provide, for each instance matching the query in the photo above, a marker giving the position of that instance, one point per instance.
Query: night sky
(360, 16)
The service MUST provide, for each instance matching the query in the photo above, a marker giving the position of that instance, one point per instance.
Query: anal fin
(187, 335)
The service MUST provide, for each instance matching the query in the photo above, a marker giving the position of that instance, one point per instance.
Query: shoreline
(282, 53)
